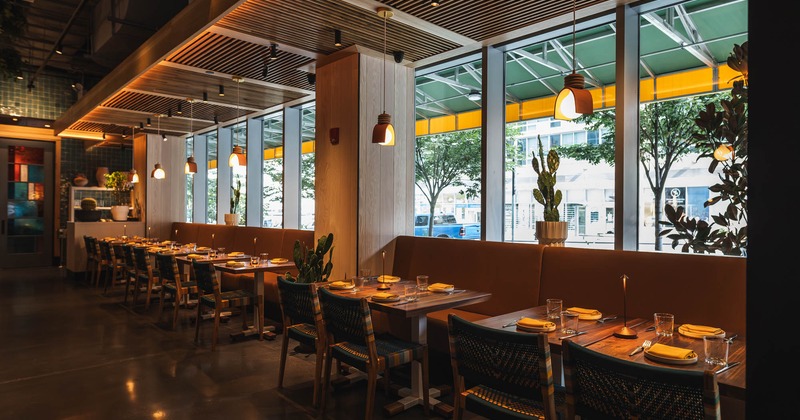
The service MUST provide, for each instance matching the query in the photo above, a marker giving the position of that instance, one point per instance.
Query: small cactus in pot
(88, 203)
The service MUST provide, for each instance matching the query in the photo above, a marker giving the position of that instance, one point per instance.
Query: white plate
(379, 300)
(388, 279)
(669, 360)
(683, 331)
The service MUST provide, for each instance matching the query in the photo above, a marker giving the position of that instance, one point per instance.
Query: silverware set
(512, 323)
(645, 345)
(728, 366)
(575, 334)
(608, 318)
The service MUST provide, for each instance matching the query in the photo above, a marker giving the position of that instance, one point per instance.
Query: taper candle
(625, 332)
(124, 230)
(254, 246)
(148, 231)
(212, 241)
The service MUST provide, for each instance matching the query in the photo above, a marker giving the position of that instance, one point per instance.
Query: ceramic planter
(551, 233)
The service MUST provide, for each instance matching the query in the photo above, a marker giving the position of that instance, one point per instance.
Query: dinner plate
(528, 329)
(341, 286)
(278, 260)
(684, 331)
(396, 298)
(388, 279)
(669, 360)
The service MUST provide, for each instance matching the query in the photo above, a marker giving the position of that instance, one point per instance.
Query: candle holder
(625, 332)
(383, 285)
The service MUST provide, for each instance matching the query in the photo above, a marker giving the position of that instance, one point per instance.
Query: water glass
(554, 308)
(221, 251)
(264, 258)
(212, 253)
(358, 283)
(665, 324)
(255, 260)
(569, 322)
(716, 349)
(366, 273)
(410, 293)
(422, 282)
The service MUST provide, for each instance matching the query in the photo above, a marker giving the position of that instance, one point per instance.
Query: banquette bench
(698, 289)
(276, 242)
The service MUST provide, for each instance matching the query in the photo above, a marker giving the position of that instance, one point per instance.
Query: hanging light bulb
(383, 132)
(133, 177)
(191, 166)
(158, 172)
(573, 100)
(237, 157)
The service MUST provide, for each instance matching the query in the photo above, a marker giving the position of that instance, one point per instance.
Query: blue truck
(446, 226)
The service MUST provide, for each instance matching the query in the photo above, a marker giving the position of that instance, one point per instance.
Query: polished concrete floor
(70, 352)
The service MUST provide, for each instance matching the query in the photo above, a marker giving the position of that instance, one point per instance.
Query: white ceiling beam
(230, 33)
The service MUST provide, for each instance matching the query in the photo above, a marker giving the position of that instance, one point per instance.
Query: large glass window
(308, 116)
(211, 177)
(239, 175)
(447, 162)
(189, 182)
(272, 171)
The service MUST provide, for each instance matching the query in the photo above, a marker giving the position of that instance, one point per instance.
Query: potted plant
(88, 211)
(232, 218)
(551, 231)
(118, 181)
(310, 263)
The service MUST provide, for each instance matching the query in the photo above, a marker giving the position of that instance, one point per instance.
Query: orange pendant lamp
(573, 100)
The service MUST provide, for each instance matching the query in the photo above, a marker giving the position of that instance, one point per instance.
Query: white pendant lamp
(573, 100)
(237, 157)
(190, 168)
(383, 132)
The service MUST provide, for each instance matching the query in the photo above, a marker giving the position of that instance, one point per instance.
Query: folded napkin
(235, 254)
(278, 260)
(194, 256)
(670, 352)
(585, 314)
(385, 296)
(536, 324)
(235, 263)
(701, 329)
(388, 279)
(440, 287)
(203, 248)
(340, 283)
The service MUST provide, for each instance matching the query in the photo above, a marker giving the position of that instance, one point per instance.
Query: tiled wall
(48, 100)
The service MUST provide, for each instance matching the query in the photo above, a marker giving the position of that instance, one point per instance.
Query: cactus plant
(546, 194)
(88, 203)
(236, 193)
(310, 262)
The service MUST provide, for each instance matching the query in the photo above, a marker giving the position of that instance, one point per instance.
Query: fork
(511, 324)
(645, 345)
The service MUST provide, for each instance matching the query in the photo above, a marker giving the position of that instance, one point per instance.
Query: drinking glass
(358, 283)
(366, 273)
(554, 307)
(665, 324)
(716, 349)
(422, 282)
(221, 251)
(569, 322)
(212, 253)
(410, 292)
(255, 260)
(264, 258)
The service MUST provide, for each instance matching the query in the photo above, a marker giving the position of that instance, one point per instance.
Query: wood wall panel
(337, 165)
(163, 205)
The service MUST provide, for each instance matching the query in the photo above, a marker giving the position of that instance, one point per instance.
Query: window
(272, 171)
(239, 173)
(189, 182)
(211, 174)
(307, 165)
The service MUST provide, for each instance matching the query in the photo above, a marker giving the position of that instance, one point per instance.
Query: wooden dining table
(416, 311)
(600, 337)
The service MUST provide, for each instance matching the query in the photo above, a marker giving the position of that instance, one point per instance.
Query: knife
(572, 335)
(636, 350)
(730, 365)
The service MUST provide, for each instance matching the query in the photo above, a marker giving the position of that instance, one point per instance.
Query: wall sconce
(133, 177)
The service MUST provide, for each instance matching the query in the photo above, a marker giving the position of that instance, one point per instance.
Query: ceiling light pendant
(474, 95)
(59, 49)
(163, 136)
(435, 3)
(148, 122)
(237, 157)
(573, 100)
(383, 132)
(190, 167)
(180, 108)
(158, 172)
(221, 90)
(265, 71)
(337, 38)
(133, 177)
(273, 51)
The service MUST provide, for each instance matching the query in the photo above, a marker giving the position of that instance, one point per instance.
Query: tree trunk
(658, 199)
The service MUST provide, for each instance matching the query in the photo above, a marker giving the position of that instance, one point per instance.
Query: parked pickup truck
(446, 226)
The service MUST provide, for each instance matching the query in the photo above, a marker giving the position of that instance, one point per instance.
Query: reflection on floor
(68, 351)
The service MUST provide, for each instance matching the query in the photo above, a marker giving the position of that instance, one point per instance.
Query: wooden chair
(600, 386)
(145, 276)
(509, 374)
(210, 296)
(302, 321)
(92, 261)
(110, 267)
(130, 267)
(172, 283)
(351, 340)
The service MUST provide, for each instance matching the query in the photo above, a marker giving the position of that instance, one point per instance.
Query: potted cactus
(88, 211)
(550, 231)
(232, 218)
(310, 263)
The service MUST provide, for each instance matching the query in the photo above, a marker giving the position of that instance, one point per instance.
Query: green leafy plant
(236, 193)
(310, 263)
(545, 193)
(118, 181)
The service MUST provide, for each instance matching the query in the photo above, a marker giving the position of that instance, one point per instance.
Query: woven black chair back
(140, 259)
(298, 300)
(205, 276)
(127, 252)
(167, 267)
(602, 386)
(105, 251)
(346, 318)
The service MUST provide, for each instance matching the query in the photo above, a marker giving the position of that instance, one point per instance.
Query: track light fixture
(435, 3)
(273, 51)
(205, 96)
(216, 120)
(149, 124)
(180, 108)
(337, 37)
(398, 56)
(312, 78)
(59, 49)
(169, 112)
(141, 125)
(265, 71)
(221, 90)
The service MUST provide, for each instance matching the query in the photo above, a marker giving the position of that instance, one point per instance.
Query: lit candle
(383, 262)
(176, 234)
(254, 246)
(148, 231)
(212, 241)
(124, 230)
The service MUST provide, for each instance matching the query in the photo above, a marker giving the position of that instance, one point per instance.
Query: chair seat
(394, 351)
(229, 299)
(186, 287)
(496, 404)
(304, 333)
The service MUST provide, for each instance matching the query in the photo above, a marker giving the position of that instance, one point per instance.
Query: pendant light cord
(574, 65)
(238, 82)
(383, 75)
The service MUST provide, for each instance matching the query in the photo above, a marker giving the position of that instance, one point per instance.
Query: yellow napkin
(585, 314)
(203, 248)
(385, 296)
(670, 352)
(340, 283)
(194, 256)
(278, 260)
(440, 287)
(235, 263)
(537, 324)
(235, 254)
(388, 279)
(701, 329)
